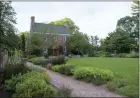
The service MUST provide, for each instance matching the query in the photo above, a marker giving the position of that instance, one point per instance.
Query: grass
(124, 68)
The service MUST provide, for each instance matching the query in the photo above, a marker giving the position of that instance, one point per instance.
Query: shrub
(14, 69)
(129, 90)
(58, 60)
(64, 92)
(115, 84)
(55, 68)
(66, 69)
(96, 76)
(31, 56)
(40, 61)
(36, 68)
(10, 84)
(34, 88)
(82, 73)
(122, 55)
(132, 55)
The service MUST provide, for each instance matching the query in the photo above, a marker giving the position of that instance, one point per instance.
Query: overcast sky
(93, 18)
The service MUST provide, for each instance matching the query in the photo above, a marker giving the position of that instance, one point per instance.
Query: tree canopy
(67, 22)
(8, 37)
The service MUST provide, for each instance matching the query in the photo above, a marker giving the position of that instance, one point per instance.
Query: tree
(130, 25)
(67, 22)
(36, 44)
(8, 37)
(135, 8)
(118, 41)
(78, 43)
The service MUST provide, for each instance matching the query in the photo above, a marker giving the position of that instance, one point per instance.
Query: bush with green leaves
(96, 76)
(66, 69)
(58, 60)
(117, 83)
(34, 88)
(15, 69)
(55, 68)
(11, 83)
(129, 90)
(122, 55)
(132, 55)
(40, 61)
(31, 56)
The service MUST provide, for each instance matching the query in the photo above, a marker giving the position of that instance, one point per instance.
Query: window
(64, 38)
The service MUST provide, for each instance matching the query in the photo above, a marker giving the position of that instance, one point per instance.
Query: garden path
(79, 88)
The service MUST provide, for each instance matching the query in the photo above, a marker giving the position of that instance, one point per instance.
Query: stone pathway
(80, 88)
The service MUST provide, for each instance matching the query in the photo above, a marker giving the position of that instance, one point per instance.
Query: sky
(93, 18)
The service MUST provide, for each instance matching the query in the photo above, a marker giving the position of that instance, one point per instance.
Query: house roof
(50, 28)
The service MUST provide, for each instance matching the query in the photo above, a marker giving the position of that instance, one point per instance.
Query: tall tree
(67, 22)
(78, 43)
(130, 25)
(135, 8)
(8, 39)
(118, 41)
(36, 44)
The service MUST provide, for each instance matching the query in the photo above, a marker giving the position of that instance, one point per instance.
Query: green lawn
(127, 68)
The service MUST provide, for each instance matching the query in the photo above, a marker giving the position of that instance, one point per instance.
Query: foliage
(96, 76)
(118, 42)
(23, 44)
(36, 44)
(34, 88)
(55, 68)
(9, 39)
(58, 60)
(132, 55)
(129, 90)
(11, 83)
(117, 65)
(122, 55)
(117, 83)
(78, 44)
(129, 24)
(67, 22)
(128, 55)
(64, 92)
(14, 69)
(39, 61)
(36, 68)
(135, 8)
(66, 69)
(31, 56)
(15, 57)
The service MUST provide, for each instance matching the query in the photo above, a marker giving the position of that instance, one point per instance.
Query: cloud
(93, 18)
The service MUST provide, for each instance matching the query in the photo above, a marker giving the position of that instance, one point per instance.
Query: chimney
(32, 23)
(32, 20)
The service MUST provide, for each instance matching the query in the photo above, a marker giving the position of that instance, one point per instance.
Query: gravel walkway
(80, 89)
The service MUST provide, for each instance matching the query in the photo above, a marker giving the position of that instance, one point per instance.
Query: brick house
(58, 33)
